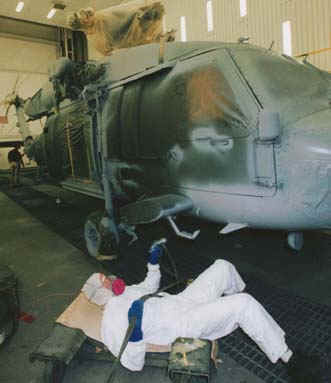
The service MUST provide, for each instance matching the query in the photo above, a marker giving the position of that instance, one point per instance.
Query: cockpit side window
(212, 103)
(202, 97)
(216, 100)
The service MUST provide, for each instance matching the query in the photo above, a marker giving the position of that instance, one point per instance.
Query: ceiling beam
(28, 29)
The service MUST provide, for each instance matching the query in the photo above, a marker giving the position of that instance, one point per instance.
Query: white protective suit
(211, 307)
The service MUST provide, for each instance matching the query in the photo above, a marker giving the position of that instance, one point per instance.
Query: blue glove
(136, 311)
(156, 252)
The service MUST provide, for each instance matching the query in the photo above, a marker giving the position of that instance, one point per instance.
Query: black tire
(92, 233)
(295, 240)
(9, 304)
(7, 331)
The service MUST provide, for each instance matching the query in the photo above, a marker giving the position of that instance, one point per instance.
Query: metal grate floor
(307, 326)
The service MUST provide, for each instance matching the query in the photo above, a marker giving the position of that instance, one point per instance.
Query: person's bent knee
(239, 305)
(223, 263)
(245, 299)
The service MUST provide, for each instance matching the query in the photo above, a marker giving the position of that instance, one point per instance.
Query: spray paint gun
(156, 251)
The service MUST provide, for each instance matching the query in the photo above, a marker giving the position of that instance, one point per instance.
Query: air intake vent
(59, 5)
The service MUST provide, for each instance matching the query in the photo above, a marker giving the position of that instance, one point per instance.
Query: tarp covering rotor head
(110, 29)
(67, 79)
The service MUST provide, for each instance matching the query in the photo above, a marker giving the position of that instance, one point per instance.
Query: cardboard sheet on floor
(85, 315)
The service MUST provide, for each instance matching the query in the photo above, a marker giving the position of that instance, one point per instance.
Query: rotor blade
(7, 110)
(21, 83)
(16, 82)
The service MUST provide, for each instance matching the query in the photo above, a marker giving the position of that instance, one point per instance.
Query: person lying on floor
(211, 307)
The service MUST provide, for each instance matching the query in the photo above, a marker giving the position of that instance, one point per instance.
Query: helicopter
(227, 132)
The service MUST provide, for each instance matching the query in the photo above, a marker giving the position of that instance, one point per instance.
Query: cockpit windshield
(278, 80)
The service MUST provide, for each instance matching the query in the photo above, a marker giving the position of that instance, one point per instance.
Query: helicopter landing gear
(295, 240)
(181, 233)
(100, 242)
(92, 233)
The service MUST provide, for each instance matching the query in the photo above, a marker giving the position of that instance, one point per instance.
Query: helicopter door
(216, 148)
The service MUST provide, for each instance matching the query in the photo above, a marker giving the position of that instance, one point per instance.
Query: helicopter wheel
(101, 244)
(295, 240)
(92, 233)
(6, 331)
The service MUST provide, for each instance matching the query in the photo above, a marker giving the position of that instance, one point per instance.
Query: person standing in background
(15, 162)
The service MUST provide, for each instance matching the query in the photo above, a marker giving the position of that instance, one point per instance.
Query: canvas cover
(111, 29)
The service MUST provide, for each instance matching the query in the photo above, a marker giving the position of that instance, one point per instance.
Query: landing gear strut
(100, 242)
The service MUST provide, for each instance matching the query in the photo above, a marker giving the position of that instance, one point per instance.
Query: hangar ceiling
(37, 10)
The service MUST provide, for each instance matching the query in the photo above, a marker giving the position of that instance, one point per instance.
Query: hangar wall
(28, 61)
(310, 24)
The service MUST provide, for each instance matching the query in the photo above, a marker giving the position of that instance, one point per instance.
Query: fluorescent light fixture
(287, 38)
(210, 21)
(19, 6)
(51, 13)
(243, 8)
(183, 28)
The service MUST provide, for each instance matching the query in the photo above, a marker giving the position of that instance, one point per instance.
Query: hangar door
(24, 66)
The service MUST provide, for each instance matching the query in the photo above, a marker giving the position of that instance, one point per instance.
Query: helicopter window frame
(263, 71)
(249, 105)
(163, 90)
(130, 119)
(250, 102)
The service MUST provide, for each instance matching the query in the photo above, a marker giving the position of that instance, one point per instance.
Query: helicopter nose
(312, 136)
(310, 139)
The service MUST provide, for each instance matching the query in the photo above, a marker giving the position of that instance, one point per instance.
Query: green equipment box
(190, 361)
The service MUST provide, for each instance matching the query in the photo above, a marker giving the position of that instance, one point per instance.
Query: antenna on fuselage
(271, 45)
(243, 40)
